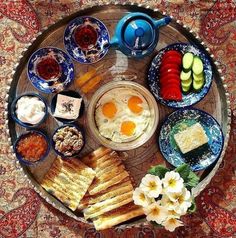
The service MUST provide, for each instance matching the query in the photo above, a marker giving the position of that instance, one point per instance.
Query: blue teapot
(137, 34)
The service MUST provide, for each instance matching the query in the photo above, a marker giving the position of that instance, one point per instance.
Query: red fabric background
(23, 213)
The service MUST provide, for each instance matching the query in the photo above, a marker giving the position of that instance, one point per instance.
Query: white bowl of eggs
(122, 115)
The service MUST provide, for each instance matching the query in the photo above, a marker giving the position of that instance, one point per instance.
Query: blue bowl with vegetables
(180, 75)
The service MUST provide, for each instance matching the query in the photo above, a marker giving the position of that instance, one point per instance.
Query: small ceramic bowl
(144, 137)
(198, 159)
(13, 110)
(42, 65)
(24, 135)
(53, 142)
(71, 94)
(88, 30)
(190, 98)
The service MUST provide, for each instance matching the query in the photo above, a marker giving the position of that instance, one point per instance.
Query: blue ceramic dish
(91, 55)
(180, 120)
(71, 94)
(58, 84)
(20, 158)
(192, 97)
(13, 111)
(53, 143)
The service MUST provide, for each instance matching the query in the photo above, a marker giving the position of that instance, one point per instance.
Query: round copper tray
(116, 66)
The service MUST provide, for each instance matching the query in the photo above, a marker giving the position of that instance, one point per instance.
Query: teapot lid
(138, 34)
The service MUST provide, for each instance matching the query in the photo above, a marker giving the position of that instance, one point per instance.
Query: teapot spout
(114, 42)
(162, 22)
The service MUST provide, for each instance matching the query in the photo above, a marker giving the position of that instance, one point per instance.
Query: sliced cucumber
(197, 85)
(187, 60)
(198, 77)
(185, 75)
(197, 65)
(186, 89)
(187, 83)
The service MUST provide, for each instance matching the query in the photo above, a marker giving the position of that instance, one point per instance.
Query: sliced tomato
(173, 53)
(166, 76)
(170, 71)
(165, 67)
(171, 84)
(169, 76)
(164, 91)
(172, 94)
(170, 81)
(172, 59)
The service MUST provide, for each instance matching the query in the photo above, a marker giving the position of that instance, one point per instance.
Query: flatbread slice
(118, 216)
(109, 200)
(68, 181)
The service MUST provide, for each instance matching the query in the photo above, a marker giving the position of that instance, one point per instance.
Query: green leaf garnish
(155, 224)
(183, 171)
(159, 171)
(193, 207)
(192, 181)
(190, 178)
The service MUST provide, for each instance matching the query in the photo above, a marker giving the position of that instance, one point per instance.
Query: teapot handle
(162, 22)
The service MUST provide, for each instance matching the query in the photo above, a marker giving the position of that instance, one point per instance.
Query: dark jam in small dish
(32, 147)
(86, 37)
(48, 68)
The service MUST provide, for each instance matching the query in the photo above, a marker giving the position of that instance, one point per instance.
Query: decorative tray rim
(93, 7)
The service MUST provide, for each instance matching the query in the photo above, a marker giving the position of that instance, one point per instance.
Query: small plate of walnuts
(68, 140)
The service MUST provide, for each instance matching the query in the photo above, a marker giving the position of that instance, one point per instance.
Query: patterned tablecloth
(23, 213)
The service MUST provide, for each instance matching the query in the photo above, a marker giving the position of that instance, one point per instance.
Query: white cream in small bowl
(29, 110)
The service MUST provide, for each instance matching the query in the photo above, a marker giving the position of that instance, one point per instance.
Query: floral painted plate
(192, 97)
(200, 158)
(50, 70)
(86, 39)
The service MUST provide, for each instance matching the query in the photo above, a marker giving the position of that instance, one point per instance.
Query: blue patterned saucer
(90, 55)
(190, 98)
(180, 120)
(57, 84)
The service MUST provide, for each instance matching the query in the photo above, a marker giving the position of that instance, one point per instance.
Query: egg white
(110, 128)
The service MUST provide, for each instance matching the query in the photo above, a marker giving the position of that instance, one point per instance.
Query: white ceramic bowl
(151, 128)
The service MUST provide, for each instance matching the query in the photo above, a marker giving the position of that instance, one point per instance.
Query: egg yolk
(127, 128)
(134, 104)
(109, 110)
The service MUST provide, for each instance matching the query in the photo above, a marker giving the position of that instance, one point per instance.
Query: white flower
(171, 223)
(151, 185)
(182, 200)
(168, 203)
(173, 213)
(156, 212)
(140, 198)
(172, 182)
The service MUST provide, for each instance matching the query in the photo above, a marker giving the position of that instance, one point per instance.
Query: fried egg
(122, 115)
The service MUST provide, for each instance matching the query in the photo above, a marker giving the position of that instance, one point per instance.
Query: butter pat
(191, 138)
(67, 107)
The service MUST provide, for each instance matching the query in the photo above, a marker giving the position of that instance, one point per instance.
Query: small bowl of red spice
(32, 147)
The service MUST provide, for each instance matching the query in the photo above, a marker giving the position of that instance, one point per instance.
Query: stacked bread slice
(108, 201)
(98, 185)
(68, 180)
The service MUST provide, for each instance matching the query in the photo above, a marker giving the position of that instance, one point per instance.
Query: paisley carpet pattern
(23, 213)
